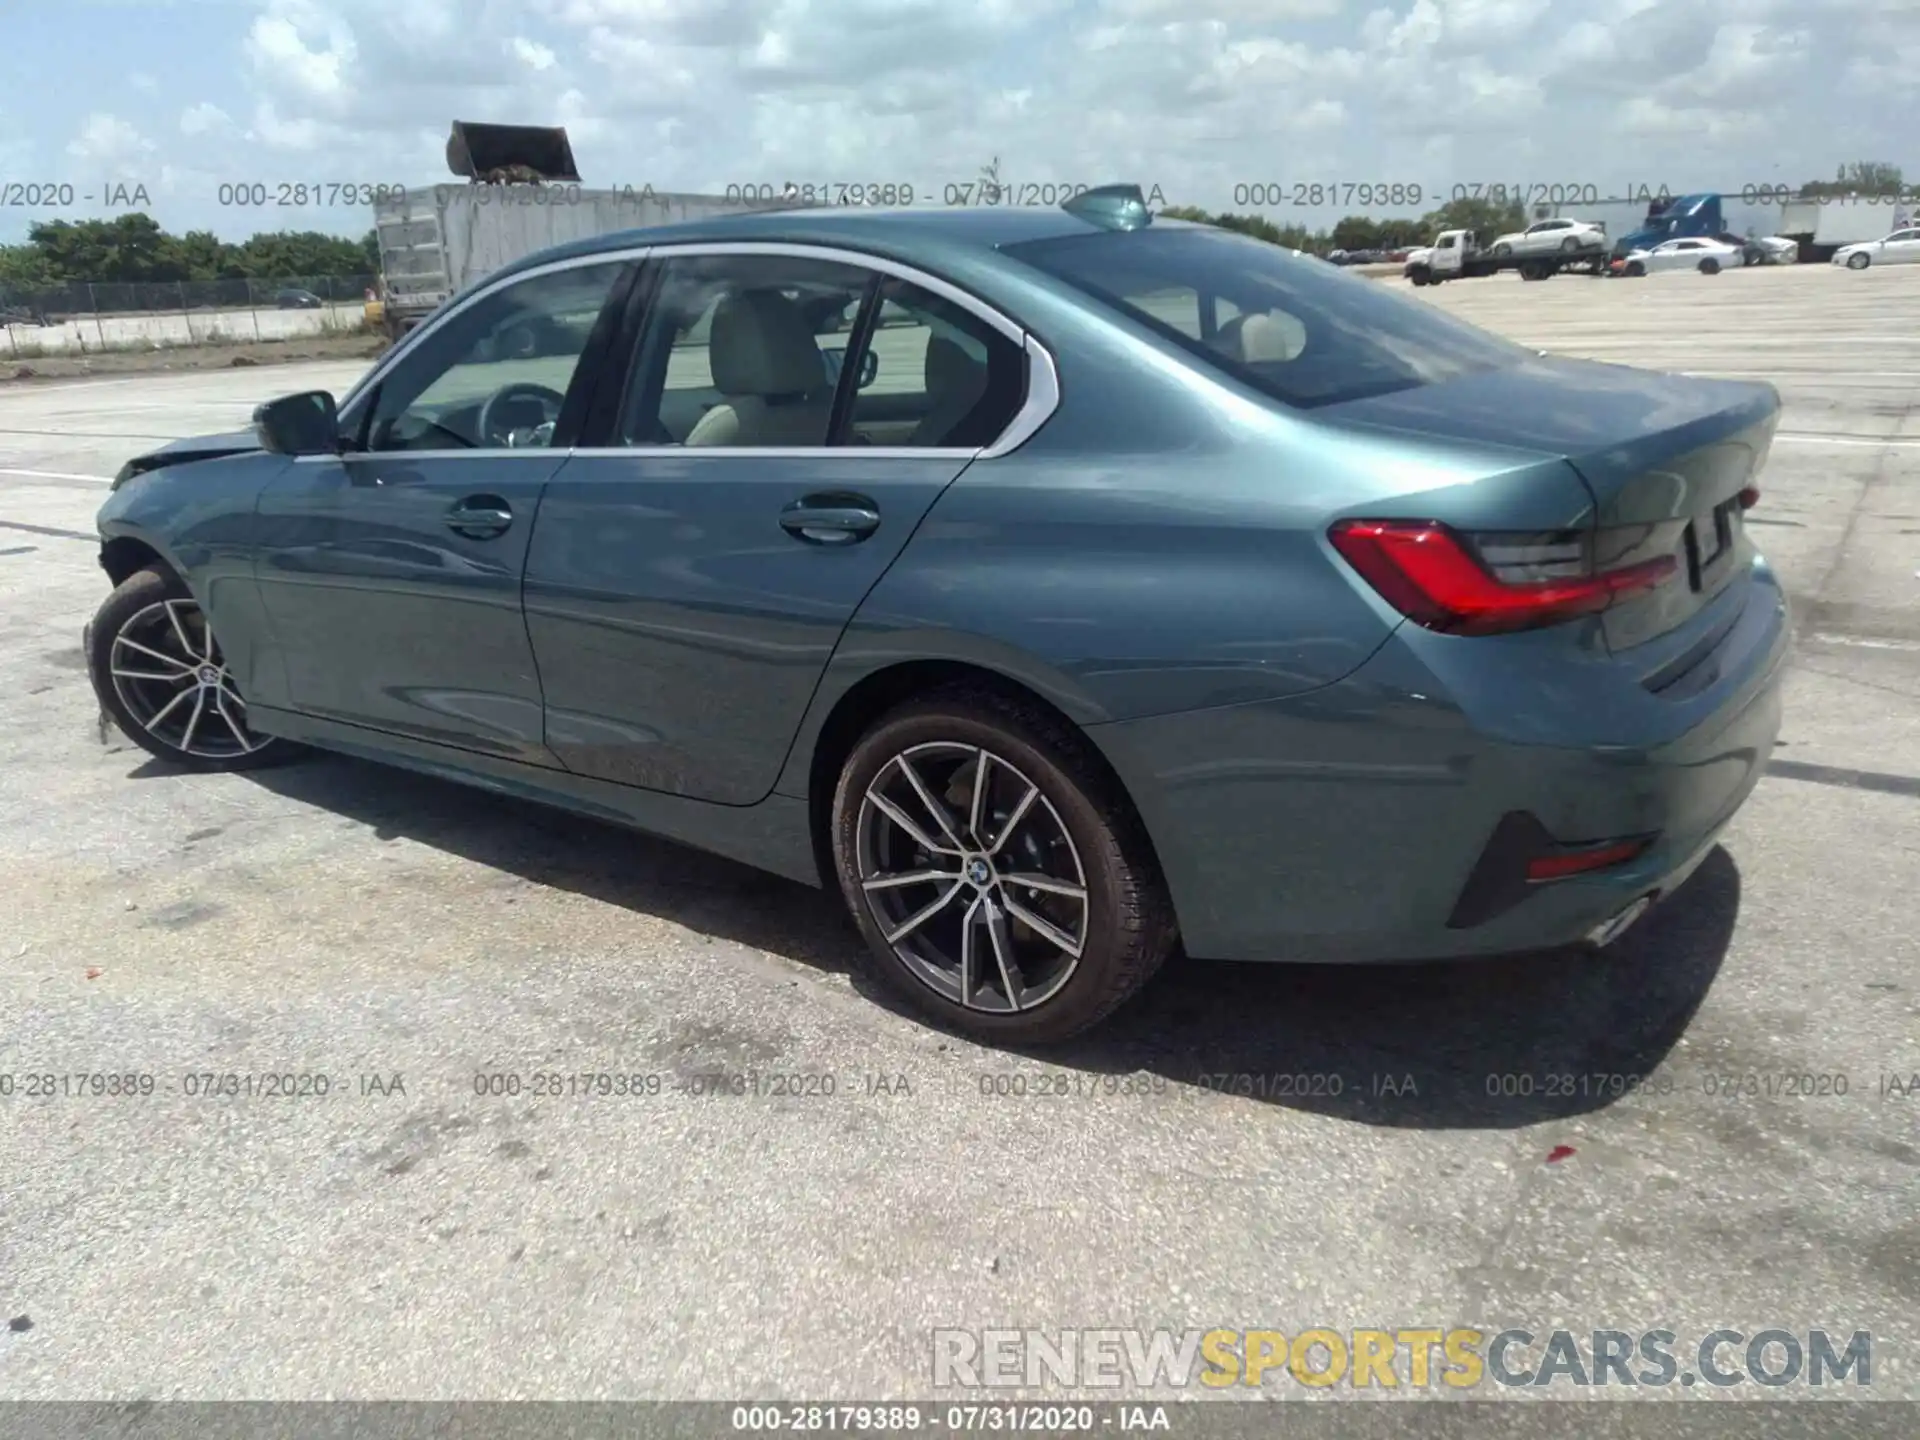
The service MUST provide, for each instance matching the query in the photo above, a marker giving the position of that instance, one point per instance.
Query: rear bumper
(1346, 824)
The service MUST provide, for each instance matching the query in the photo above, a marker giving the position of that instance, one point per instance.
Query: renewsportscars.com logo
(1414, 1358)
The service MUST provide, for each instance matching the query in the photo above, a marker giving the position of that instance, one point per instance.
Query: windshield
(1288, 324)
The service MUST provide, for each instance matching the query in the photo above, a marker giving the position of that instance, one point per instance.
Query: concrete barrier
(158, 331)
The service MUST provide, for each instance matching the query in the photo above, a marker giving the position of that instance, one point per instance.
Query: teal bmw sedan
(1059, 586)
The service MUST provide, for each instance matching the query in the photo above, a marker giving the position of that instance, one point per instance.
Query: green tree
(1858, 177)
(23, 267)
(126, 248)
(1486, 218)
(1357, 232)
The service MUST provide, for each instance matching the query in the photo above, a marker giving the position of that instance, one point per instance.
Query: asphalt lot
(340, 919)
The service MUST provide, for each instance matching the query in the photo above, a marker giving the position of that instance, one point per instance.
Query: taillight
(1488, 584)
(1584, 859)
(1749, 497)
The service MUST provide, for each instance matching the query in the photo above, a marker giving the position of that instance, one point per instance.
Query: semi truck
(522, 193)
(1703, 216)
(1458, 255)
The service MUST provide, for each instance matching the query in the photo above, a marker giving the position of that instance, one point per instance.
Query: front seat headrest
(761, 345)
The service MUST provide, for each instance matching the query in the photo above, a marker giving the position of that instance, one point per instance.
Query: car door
(692, 572)
(390, 574)
(1900, 248)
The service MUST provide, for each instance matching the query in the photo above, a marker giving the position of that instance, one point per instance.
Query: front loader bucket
(478, 151)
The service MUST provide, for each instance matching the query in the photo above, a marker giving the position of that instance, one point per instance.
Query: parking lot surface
(1545, 1142)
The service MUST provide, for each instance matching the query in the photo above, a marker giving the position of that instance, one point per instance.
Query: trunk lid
(1665, 458)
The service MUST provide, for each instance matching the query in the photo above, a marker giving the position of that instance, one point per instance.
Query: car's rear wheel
(1001, 882)
(1570, 246)
(1503, 251)
(1709, 266)
(159, 672)
(1859, 260)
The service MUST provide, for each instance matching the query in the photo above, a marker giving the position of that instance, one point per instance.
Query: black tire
(1570, 246)
(1636, 269)
(128, 608)
(1859, 260)
(1503, 251)
(1127, 927)
(1709, 266)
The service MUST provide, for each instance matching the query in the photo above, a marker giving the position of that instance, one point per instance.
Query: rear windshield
(1290, 325)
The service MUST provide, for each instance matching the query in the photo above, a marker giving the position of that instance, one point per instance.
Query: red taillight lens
(1436, 579)
(1578, 862)
(1749, 497)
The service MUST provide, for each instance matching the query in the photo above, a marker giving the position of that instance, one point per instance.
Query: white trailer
(1823, 226)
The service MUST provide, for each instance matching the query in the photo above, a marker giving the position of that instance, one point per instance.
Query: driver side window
(495, 375)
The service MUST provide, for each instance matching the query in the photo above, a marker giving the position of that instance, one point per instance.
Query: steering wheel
(550, 402)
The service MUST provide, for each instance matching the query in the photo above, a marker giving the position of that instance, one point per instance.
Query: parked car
(1145, 583)
(1776, 250)
(1902, 247)
(1693, 252)
(1550, 237)
(298, 300)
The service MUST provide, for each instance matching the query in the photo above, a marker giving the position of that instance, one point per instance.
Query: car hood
(181, 452)
(202, 447)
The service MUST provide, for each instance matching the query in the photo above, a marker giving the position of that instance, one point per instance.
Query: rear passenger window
(934, 374)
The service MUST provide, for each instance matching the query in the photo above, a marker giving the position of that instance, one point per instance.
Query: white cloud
(304, 49)
(204, 119)
(107, 140)
(531, 53)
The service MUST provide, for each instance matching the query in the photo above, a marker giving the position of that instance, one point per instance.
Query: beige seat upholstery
(765, 362)
(1271, 337)
(955, 383)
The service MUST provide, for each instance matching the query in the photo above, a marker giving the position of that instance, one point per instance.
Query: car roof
(922, 234)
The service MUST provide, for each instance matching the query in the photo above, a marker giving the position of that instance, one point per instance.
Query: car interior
(761, 365)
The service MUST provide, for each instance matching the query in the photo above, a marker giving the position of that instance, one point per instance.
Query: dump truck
(522, 193)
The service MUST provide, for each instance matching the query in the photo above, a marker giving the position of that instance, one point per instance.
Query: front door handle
(480, 517)
(840, 518)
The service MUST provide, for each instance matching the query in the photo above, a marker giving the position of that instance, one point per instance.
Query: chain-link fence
(81, 317)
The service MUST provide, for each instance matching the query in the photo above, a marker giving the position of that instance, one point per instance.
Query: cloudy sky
(1194, 96)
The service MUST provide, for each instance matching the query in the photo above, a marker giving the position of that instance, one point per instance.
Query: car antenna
(1111, 207)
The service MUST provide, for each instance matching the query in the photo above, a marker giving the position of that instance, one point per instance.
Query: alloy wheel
(972, 878)
(169, 673)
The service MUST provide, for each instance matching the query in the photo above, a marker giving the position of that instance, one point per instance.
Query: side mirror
(303, 424)
(836, 361)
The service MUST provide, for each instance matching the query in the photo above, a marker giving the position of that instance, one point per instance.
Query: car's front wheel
(1001, 881)
(160, 674)
(1635, 268)
(1859, 260)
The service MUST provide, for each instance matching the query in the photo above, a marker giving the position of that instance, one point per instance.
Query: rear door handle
(480, 517)
(840, 518)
